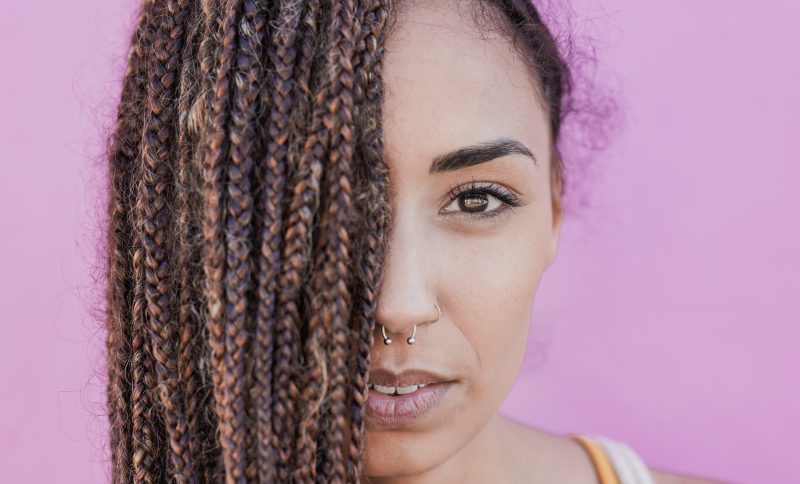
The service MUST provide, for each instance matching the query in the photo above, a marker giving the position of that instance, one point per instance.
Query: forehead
(448, 84)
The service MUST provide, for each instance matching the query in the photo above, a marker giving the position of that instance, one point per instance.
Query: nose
(406, 295)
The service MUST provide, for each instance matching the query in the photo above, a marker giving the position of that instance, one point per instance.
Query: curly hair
(248, 217)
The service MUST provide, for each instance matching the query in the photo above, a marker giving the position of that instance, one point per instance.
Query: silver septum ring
(410, 340)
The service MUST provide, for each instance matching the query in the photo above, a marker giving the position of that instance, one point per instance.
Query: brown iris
(474, 202)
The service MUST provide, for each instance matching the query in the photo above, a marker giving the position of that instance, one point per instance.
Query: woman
(327, 224)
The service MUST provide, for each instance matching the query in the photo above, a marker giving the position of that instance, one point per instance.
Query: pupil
(474, 202)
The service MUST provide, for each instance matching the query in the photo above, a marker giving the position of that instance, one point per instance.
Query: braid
(122, 158)
(331, 278)
(314, 371)
(148, 450)
(314, 375)
(153, 206)
(148, 457)
(215, 257)
(243, 145)
(299, 223)
(375, 214)
(200, 119)
(281, 54)
(188, 318)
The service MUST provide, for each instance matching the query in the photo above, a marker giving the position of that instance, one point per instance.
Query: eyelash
(510, 200)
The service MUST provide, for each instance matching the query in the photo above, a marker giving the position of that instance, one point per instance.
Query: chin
(394, 454)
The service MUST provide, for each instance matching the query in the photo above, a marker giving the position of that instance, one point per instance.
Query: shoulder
(628, 465)
(663, 477)
(550, 457)
(541, 456)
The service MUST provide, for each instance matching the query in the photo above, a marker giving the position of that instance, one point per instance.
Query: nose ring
(410, 340)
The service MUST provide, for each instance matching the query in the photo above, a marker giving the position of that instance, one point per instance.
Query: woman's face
(447, 89)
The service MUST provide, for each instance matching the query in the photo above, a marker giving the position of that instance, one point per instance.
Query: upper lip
(389, 378)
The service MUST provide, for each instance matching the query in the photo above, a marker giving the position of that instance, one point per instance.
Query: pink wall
(669, 319)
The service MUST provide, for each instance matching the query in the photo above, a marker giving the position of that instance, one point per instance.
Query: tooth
(406, 390)
(383, 389)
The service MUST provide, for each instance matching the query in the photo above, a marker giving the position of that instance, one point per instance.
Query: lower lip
(400, 410)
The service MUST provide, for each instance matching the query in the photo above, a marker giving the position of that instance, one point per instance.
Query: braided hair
(248, 214)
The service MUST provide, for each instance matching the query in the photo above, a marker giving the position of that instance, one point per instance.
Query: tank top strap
(602, 464)
(615, 462)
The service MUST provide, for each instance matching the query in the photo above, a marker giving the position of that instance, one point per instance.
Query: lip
(402, 410)
(388, 378)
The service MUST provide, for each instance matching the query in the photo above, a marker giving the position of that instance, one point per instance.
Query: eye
(480, 200)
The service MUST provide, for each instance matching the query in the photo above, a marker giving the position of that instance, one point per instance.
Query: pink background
(669, 320)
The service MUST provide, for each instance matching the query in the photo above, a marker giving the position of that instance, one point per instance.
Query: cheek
(491, 283)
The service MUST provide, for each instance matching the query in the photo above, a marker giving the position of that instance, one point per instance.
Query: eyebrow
(480, 153)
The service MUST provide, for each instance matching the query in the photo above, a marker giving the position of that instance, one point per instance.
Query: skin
(447, 86)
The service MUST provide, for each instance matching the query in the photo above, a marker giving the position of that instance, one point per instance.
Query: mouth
(401, 399)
